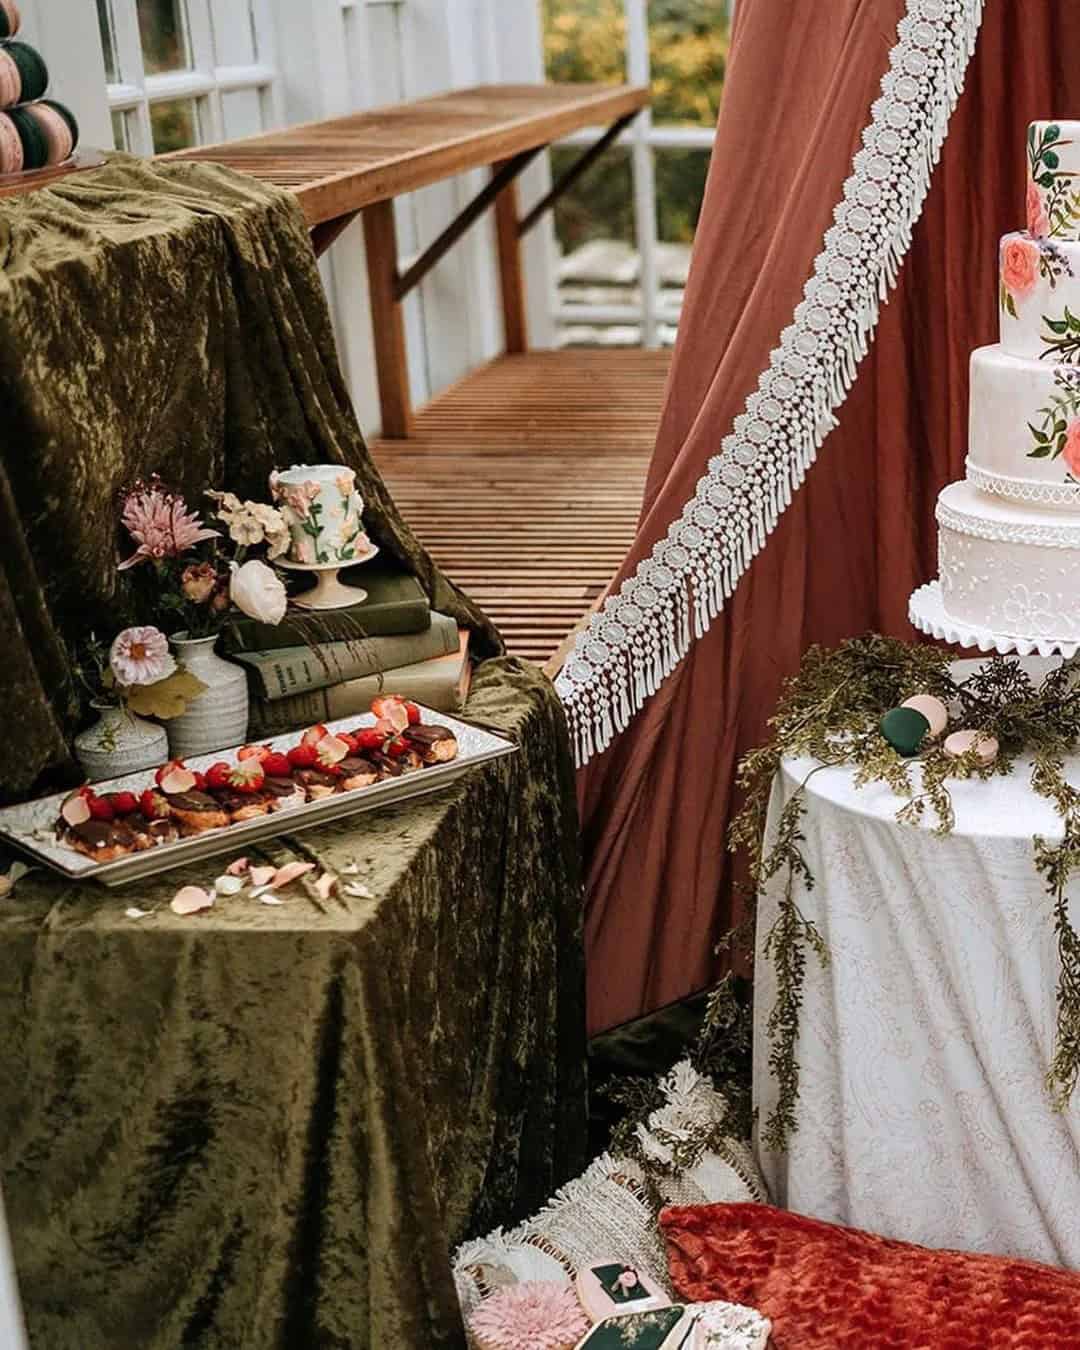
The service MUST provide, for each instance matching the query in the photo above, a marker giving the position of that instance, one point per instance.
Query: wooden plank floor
(524, 481)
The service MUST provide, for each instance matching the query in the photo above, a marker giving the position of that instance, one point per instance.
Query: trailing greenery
(830, 712)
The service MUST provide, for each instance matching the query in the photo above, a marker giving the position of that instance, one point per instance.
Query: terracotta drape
(860, 534)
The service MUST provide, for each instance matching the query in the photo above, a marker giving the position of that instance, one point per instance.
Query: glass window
(688, 50)
(163, 33)
(680, 186)
(585, 40)
(120, 130)
(108, 41)
(174, 124)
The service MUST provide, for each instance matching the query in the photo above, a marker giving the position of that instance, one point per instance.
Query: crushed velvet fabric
(165, 318)
(830, 1288)
(253, 1127)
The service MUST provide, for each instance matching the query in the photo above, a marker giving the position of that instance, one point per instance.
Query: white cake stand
(328, 592)
(926, 610)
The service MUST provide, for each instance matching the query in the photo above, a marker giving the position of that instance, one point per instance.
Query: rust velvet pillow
(832, 1288)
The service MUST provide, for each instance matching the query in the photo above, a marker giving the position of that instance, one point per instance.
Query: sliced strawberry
(200, 780)
(258, 752)
(247, 776)
(396, 748)
(351, 743)
(123, 803)
(166, 769)
(100, 809)
(217, 775)
(414, 714)
(302, 756)
(382, 705)
(153, 805)
(370, 739)
(313, 735)
(276, 766)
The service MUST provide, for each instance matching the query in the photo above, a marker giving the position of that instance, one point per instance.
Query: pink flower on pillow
(1036, 216)
(1071, 451)
(1019, 266)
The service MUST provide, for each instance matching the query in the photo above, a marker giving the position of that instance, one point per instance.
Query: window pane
(108, 41)
(585, 40)
(119, 131)
(174, 124)
(599, 264)
(163, 33)
(680, 186)
(688, 49)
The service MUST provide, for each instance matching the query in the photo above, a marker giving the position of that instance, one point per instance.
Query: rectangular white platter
(31, 826)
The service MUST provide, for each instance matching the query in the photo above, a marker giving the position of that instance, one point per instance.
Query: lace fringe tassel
(601, 704)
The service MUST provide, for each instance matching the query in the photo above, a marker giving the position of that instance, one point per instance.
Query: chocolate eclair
(196, 811)
(241, 805)
(283, 793)
(434, 745)
(318, 783)
(102, 840)
(357, 772)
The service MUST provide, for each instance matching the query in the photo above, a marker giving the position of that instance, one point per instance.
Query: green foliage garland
(830, 711)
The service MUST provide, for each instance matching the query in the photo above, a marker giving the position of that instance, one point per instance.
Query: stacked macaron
(34, 131)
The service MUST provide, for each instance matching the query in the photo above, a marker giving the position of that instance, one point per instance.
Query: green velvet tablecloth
(268, 1126)
(257, 1126)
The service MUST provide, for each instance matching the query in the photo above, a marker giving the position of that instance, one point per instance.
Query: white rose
(258, 591)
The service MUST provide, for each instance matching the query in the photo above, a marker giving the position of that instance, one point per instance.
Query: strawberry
(351, 743)
(123, 803)
(276, 766)
(313, 735)
(247, 776)
(100, 809)
(217, 775)
(258, 752)
(200, 781)
(302, 756)
(166, 769)
(153, 805)
(396, 748)
(383, 705)
(414, 714)
(370, 739)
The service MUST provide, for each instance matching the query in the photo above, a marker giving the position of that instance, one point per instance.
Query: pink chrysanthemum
(160, 523)
(140, 656)
(535, 1315)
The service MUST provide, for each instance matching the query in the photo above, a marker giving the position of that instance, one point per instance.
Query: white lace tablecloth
(922, 1111)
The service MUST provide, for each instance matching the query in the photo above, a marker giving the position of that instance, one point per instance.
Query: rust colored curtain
(860, 534)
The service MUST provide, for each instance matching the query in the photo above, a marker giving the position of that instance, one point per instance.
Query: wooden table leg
(511, 276)
(388, 326)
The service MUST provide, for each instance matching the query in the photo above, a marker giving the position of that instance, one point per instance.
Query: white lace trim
(1022, 489)
(1001, 532)
(642, 631)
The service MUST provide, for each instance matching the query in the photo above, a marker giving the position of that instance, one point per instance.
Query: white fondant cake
(322, 508)
(1009, 537)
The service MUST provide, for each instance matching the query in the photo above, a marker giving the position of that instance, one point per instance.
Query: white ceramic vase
(217, 718)
(120, 742)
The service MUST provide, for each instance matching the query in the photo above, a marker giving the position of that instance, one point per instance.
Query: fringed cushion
(830, 1288)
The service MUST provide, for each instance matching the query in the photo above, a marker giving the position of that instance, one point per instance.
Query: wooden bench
(357, 165)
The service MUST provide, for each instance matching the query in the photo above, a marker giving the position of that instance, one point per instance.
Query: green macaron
(33, 73)
(904, 729)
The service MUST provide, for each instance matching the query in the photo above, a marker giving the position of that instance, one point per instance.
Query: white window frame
(210, 31)
(643, 138)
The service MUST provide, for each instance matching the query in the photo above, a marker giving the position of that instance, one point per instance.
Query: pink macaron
(10, 79)
(56, 131)
(11, 150)
(9, 18)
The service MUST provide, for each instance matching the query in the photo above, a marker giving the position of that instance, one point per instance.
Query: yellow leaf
(168, 698)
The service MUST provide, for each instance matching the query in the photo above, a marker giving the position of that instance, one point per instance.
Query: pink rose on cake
(1019, 266)
(1071, 451)
(1036, 216)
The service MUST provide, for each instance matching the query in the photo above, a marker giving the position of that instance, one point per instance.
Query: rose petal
(228, 885)
(178, 780)
(284, 875)
(398, 714)
(271, 899)
(351, 869)
(325, 885)
(385, 727)
(262, 876)
(134, 913)
(332, 750)
(75, 810)
(190, 899)
(237, 867)
(359, 890)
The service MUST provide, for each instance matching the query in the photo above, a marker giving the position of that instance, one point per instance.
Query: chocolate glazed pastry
(357, 772)
(102, 840)
(241, 805)
(196, 811)
(282, 793)
(318, 783)
(434, 745)
(387, 767)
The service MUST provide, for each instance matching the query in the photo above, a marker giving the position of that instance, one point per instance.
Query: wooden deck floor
(524, 480)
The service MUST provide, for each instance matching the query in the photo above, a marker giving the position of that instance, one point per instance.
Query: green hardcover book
(282, 671)
(395, 604)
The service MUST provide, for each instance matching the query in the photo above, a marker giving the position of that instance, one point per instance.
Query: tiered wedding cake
(1009, 536)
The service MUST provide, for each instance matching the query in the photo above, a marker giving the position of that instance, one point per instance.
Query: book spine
(246, 635)
(294, 670)
(271, 717)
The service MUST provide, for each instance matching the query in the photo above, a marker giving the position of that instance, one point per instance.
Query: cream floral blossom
(252, 523)
(258, 592)
(140, 656)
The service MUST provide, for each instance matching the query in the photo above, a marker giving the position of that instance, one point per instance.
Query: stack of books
(317, 666)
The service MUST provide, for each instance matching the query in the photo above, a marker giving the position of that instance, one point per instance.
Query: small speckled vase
(120, 742)
(219, 717)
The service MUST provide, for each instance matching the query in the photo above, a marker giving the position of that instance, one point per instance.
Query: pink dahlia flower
(160, 523)
(535, 1315)
(140, 656)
